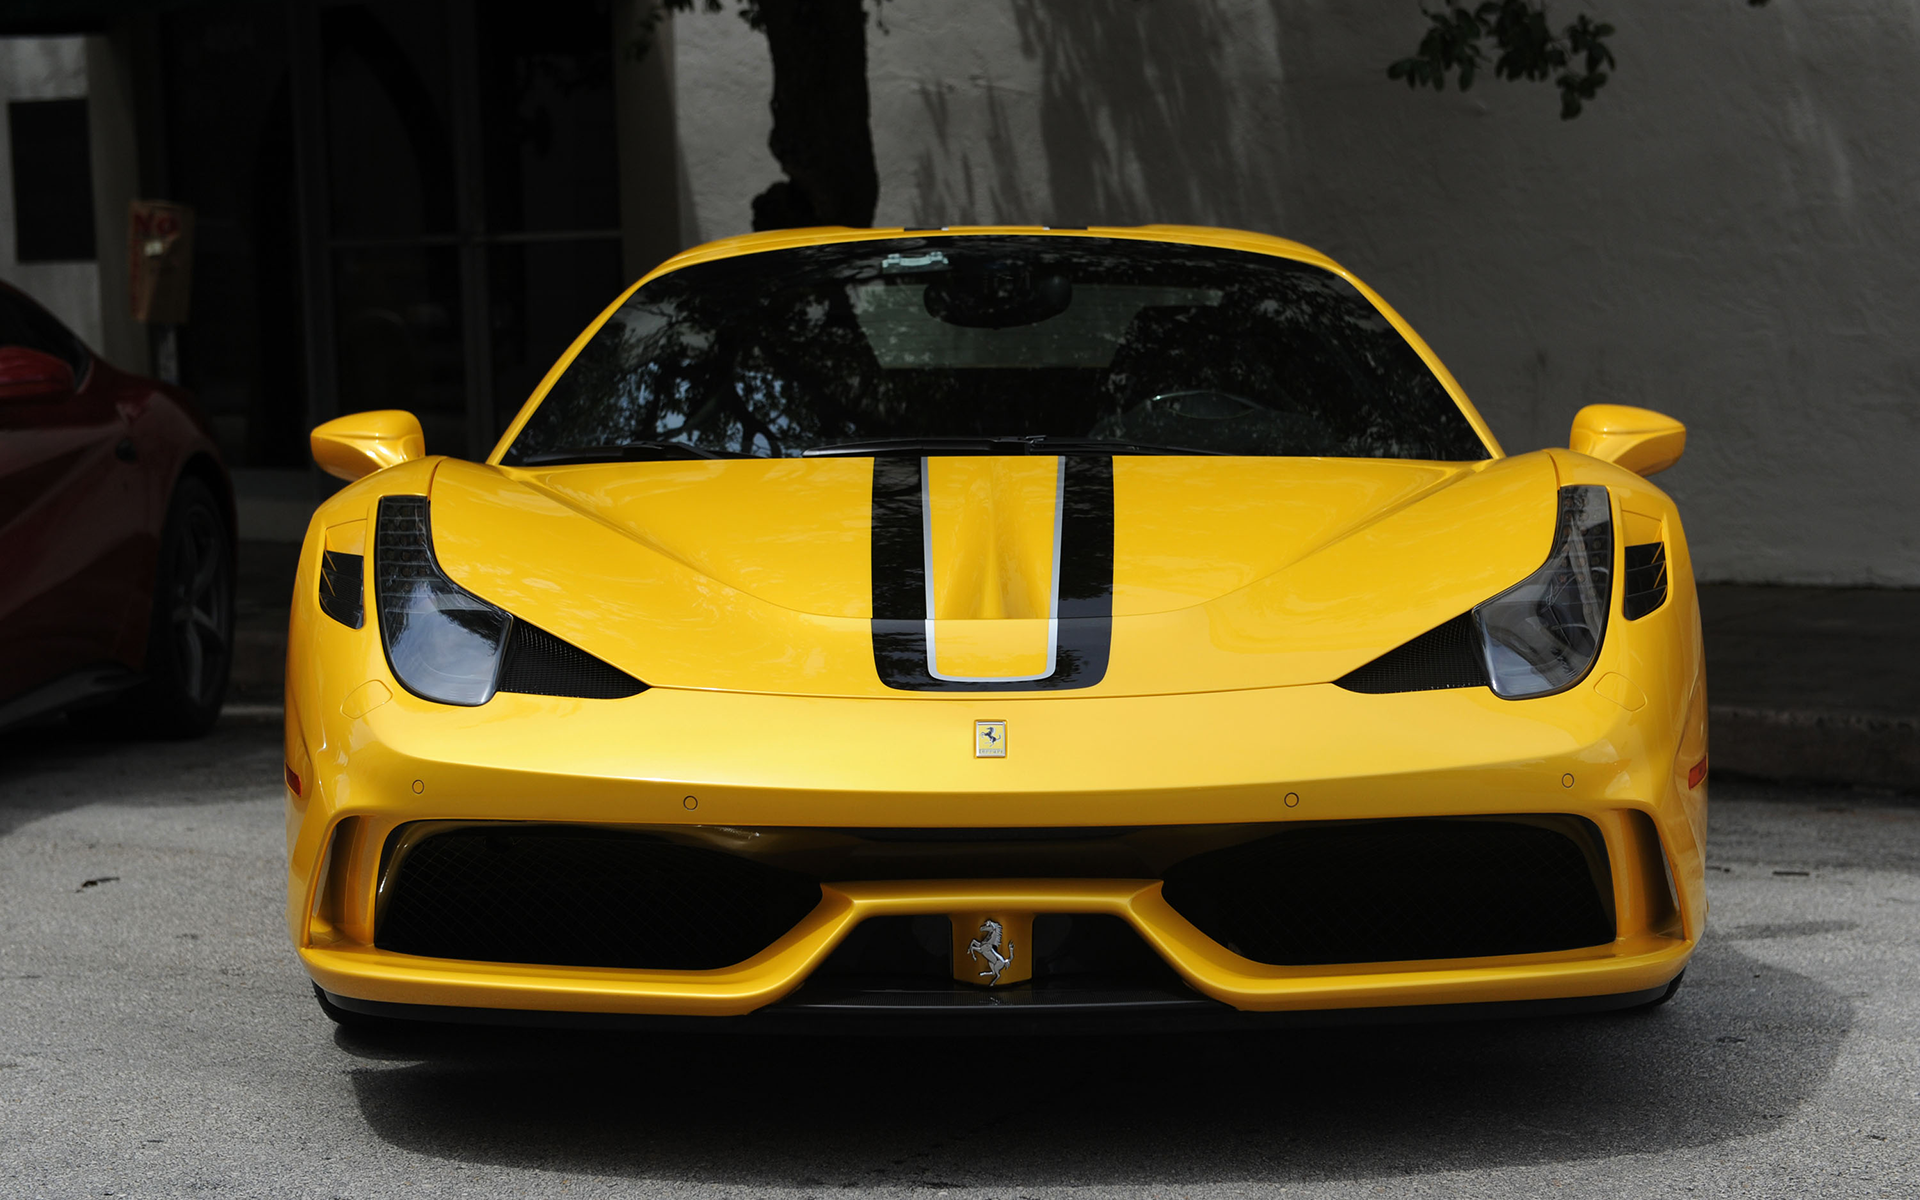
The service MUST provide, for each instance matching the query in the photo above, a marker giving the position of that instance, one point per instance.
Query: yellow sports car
(882, 628)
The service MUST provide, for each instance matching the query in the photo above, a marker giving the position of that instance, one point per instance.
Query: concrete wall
(91, 296)
(1726, 235)
(111, 101)
(656, 210)
(45, 69)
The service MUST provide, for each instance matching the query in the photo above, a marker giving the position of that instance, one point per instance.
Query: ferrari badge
(990, 949)
(989, 739)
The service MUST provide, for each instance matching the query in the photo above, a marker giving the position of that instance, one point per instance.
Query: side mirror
(1639, 439)
(32, 375)
(362, 443)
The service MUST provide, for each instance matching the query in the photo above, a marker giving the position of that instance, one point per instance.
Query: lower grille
(568, 896)
(1386, 891)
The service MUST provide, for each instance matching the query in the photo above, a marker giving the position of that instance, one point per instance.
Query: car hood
(762, 574)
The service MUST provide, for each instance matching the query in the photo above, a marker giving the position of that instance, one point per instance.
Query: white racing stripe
(1053, 597)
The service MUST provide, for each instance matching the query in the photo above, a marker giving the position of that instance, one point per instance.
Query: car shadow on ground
(65, 764)
(1737, 1052)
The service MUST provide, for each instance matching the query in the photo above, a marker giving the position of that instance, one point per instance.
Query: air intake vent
(577, 897)
(342, 590)
(1646, 580)
(540, 664)
(1390, 891)
(1447, 656)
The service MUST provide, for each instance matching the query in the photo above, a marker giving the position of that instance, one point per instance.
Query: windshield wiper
(1048, 444)
(1038, 443)
(623, 452)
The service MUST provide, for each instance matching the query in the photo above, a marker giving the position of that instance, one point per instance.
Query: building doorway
(410, 204)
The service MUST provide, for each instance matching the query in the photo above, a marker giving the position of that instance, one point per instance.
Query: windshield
(987, 344)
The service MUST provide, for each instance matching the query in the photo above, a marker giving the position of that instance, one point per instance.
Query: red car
(116, 538)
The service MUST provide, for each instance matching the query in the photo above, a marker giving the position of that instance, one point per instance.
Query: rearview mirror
(1639, 439)
(352, 446)
(996, 296)
(33, 375)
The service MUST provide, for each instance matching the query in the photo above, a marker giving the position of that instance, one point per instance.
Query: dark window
(1122, 341)
(24, 323)
(229, 125)
(52, 180)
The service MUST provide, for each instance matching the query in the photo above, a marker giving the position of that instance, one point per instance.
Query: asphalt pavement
(158, 1038)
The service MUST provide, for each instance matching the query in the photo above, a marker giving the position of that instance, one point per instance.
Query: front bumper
(746, 761)
(1638, 962)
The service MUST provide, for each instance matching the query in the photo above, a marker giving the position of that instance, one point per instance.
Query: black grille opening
(1389, 891)
(1646, 579)
(540, 664)
(568, 896)
(918, 952)
(1446, 656)
(342, 590)
(899, 951)
(1075, 946)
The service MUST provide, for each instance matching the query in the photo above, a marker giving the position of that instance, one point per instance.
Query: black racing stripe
(899, 575)
(899, 552)
(900, 581)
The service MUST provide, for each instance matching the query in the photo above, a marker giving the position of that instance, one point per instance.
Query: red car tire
(190, 633)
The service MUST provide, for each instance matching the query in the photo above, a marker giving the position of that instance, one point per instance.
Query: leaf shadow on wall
(1143, 117)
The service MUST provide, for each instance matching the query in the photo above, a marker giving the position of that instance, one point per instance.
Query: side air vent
(1386, 891)
(1447, 656)
(540, 664)
(342, 590)
(1646, 580)
(583, 897)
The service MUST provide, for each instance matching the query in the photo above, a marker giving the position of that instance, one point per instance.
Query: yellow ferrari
(869, 629)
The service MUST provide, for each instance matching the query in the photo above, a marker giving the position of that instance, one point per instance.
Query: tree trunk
(820, 133)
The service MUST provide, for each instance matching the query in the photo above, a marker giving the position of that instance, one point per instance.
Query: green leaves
(1576, 58)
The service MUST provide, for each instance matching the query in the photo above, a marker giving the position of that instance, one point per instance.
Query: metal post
(306, 85)
(471, 225)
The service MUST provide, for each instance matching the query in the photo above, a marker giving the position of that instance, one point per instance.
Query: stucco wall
(1727, 235)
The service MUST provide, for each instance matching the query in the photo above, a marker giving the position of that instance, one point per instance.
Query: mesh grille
(1388, 891)
(342, 594)
(1646, 579)
(1447, 656)
(566, 896)
(540, 664)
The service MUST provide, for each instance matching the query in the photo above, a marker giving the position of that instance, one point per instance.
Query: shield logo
(989, 739)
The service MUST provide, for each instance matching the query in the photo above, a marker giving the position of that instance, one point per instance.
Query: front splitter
(916, 1012)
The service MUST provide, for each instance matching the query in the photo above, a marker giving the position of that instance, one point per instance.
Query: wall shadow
(1742, 1047)
(1141, 119)
(953, 187)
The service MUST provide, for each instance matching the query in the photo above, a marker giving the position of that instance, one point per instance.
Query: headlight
(1542, 634)
(443, 642)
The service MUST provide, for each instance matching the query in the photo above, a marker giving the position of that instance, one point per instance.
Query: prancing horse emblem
(987, 948)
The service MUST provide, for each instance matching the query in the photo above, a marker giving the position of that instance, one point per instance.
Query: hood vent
(1447, 656)
(343, 588)
(1646, 580)
(540, 664)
